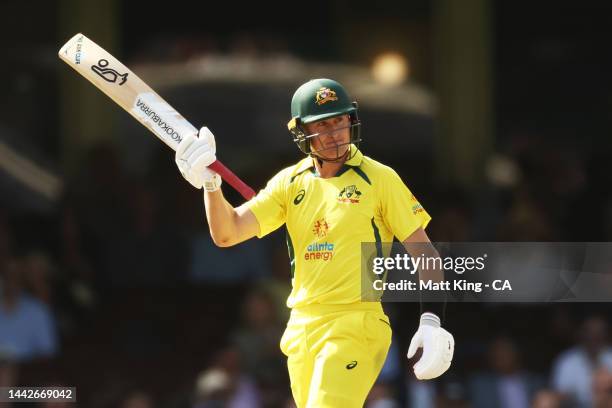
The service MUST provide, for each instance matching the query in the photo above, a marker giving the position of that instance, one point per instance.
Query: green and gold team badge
(349, 194)
(325, 95)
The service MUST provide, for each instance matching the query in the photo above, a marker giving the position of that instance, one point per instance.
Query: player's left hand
(438, 347)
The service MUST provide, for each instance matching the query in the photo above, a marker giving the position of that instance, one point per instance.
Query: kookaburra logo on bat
(108, 74)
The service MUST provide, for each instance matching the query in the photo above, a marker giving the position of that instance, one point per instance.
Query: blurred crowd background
(496, 114)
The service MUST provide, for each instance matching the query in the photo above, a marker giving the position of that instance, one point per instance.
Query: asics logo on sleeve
(299, 197)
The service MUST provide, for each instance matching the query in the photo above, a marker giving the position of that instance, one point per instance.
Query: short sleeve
(401, 211)
(269, 205)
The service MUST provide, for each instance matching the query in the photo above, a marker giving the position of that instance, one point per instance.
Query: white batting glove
(193, 156)
(438, 347)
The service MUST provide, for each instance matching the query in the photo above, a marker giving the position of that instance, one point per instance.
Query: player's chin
(334, 153)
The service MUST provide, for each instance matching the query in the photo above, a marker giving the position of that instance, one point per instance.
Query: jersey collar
(355, 161)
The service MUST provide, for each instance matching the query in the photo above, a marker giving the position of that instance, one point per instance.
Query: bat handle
(227, 175)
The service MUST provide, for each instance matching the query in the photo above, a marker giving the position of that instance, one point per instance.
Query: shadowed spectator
(8, 373)
(245, 262)
(526, 220)
(75, 282)
(452, 393)
(148, 253)
(99, 193)
(574, 369)
(547, 399)
(258, 343)
(27, 328)
(37, 271)
(225, 385)
(279, 283)
(5, 241)
(507, 385)
(213, 389)
(421, 394)
(392, 368)
(79, 271)
(56, 404)
(138, 399)
(381, 396)
(602, 388)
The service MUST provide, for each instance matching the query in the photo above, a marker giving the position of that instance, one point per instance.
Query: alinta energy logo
(349, 194)
(322, 251)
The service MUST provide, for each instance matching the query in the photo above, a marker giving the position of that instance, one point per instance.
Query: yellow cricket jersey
(328, 219)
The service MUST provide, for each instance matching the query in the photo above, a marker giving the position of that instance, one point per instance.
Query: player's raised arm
(228, 225)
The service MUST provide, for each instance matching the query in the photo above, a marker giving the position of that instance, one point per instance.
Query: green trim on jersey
(328, 219)
(379, 250)
(291, 252)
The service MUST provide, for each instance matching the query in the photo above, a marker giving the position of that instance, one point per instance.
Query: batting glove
(193, 156)
(438, 347)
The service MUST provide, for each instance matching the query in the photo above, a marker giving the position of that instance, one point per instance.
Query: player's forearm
(418, 244)
(434, 272)
(432, 301)
(221, 217)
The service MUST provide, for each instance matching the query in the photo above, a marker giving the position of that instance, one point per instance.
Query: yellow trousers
(335, 353)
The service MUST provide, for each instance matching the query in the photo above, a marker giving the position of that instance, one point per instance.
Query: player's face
(334, 135)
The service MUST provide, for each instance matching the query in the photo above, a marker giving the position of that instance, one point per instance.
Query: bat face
(132, 94)
(126, 89)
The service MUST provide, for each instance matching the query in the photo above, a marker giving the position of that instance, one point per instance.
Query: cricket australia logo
(108, 74)
(320, 228)
(349, 194)
(325, 95)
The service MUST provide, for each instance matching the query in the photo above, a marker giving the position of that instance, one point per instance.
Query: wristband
(213, 183)
(436, 308)
(430, 319)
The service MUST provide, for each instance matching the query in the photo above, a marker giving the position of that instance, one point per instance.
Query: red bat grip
(227, 175)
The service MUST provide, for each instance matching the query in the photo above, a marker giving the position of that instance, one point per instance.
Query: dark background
(512, 144)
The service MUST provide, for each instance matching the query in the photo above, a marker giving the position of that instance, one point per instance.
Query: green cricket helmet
(320, 99)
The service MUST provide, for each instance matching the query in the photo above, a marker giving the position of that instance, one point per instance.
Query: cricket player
(330, 202)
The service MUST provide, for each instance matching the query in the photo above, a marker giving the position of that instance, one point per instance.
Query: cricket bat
(135, 96)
